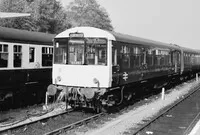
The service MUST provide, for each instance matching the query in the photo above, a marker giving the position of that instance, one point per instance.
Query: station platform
(196, 129)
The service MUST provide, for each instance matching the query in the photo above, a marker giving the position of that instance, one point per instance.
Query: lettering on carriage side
(125, 76)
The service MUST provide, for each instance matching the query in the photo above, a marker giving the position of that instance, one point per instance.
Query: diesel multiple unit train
(25, 65)
(94, 67)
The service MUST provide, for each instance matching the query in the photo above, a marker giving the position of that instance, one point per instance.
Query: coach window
(102, 55)
(114, 56)
(96, 51)
(125, 52)
(169, 59)
(31, 54)
(17, 55)
(136, 56)
(185, 58)
(161, 58)
(150, 57)
(164, 58)
(47, 55)
(3, 55)
(60, 51)
(157, 57)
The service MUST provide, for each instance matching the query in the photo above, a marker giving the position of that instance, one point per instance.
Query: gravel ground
(17, 114)
(126, 122)
(20, 116)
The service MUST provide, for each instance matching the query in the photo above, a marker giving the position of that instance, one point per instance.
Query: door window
(31, 54)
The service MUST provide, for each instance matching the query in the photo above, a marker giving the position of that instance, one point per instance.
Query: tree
(15, 6)
(88, 13)
(46, 15)
(50, 16)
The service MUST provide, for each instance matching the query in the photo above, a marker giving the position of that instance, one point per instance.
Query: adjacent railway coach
(25, 65)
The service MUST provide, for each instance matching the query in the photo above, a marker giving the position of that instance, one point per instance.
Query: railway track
(70, 126)
(177, 119)
(27, 121)
(50, 124)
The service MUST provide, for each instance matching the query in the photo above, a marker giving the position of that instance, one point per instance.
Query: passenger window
(125, 52)
(31, 54)
(47, 55)
(60, 49)
(17, 60)
(136, 56)
(96, 54)
(3, 55)
(157, 57)
(162, 57)
(114, 56)
(150, 57)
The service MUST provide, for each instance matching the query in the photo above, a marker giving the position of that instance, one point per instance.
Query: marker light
(58, 78)
(95, 80)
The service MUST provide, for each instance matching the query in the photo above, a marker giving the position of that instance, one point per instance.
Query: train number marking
(125, 76)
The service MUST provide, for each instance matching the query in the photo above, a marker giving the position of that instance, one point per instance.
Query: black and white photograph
(99, 67)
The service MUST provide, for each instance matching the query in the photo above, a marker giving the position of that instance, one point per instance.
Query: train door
(32, 56)
(34, 64)
(176, 61)
(115, 67)
(144, 59)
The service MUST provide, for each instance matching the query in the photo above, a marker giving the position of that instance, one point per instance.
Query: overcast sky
(169, 21)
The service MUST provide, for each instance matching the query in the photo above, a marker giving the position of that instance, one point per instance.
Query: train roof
(23, 36)
(138, 40)
(189, 50)
(95, 32)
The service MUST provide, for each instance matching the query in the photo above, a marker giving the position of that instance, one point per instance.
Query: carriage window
(96, 55)
(81, 51)
(60, 52)
(176, 58)
(76, 52)
(162, 57)
(17, 49)
(150, 57)
(114, 56)
(31, 54)
(47, 55)
(3, 55)
(96, 51)
(125, 55)
(157, 57)
(136, 56)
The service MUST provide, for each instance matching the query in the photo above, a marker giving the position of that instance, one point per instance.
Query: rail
(167, 110)
(73, 125)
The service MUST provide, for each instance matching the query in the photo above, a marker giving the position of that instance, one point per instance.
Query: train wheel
(99, 107)
(72, 104)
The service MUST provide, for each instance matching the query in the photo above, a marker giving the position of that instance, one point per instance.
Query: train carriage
(94, 65)
(191, 60)
(25, 64)
(141, 59)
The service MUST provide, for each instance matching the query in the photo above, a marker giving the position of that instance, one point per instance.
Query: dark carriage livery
(94, 66)
(25, 64)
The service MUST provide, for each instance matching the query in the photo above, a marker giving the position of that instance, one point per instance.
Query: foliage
(49, 16)
(46, 15)
(88, 13)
